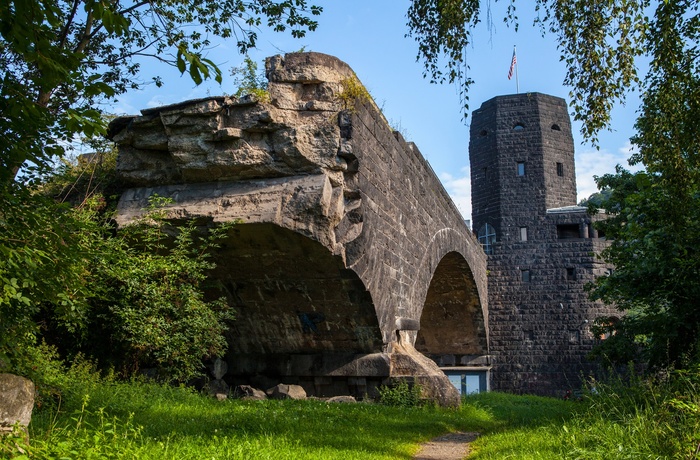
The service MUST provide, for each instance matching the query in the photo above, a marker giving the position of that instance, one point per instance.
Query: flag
(512, 65)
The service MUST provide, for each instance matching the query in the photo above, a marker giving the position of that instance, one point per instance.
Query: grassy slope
(148, 421)
(95, 418)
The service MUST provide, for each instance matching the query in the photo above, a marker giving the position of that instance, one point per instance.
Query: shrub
(400, 394)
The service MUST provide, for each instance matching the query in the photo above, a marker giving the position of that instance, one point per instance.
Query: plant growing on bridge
(250, 81)
(353, 91)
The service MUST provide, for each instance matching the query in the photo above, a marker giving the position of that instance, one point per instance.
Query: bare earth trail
(452, 446)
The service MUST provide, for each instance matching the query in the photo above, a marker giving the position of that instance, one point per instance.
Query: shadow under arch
(299, 313)
(452, 326)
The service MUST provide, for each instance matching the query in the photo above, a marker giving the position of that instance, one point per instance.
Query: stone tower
(541, 247)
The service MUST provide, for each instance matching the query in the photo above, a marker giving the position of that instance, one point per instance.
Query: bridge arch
(292, 295)
(452, 324)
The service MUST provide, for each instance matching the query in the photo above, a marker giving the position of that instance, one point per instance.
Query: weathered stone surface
(344, 399)
(219, 368)
(539, 329)
(284, 391)
(250, 393)
(344, 226)
(217, 387)
(434, 384)
(16, 400)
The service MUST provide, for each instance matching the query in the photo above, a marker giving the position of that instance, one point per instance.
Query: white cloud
(122, 107)
(161, 100)
(591, 163)
(460, 189)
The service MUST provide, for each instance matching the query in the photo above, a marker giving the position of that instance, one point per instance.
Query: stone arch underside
(452, 327)
(301, 316)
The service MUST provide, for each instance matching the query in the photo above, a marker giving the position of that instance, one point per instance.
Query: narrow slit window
(560, 169)
(523, 233)
(521, 168)
(525, 276)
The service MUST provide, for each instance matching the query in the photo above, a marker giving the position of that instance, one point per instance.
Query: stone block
(16, 401)
(284, 391)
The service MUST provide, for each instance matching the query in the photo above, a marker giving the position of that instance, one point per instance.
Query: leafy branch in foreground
(599, 42)
(60, 59)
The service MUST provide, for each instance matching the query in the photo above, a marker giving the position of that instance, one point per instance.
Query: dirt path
(453, 446)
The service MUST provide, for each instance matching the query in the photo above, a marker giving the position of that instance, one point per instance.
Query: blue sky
(370, 36)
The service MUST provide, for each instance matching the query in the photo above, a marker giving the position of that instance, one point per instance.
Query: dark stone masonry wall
(410, 224)
(543, 251)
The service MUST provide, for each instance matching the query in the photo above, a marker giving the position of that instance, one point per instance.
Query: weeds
(400, 394)
(353, 92)
(640, 418)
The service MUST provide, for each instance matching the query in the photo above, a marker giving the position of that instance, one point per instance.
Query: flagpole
(517, 81)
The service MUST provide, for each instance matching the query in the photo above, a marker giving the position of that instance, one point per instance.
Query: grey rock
(342, 399)
(284, 391)
(16, 400)
(217, 387)
(249, 393)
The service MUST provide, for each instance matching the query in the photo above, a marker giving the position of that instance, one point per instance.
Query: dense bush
(131, 299)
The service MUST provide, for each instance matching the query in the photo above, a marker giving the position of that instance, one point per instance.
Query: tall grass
(640, 418)
(82, 415)
(621, 418)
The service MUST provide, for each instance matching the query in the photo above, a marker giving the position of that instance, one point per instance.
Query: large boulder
(248, 392)
(218, 389)
(16, 401)
(284, 391)
(408, 363)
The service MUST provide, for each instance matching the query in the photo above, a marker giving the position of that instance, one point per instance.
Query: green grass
(144, 420)
(96, 418)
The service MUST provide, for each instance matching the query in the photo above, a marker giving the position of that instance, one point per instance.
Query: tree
(59, 59)
(598, 41)
(655, 223)
(249, 80)
(655, 214)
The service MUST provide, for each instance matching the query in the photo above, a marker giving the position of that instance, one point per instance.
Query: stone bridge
(350, 263)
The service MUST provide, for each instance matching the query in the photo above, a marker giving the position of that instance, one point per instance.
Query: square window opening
(571, 273)
(566, 231)
(525, 276)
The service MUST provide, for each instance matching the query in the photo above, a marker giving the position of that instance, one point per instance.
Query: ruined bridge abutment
(350, 264)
